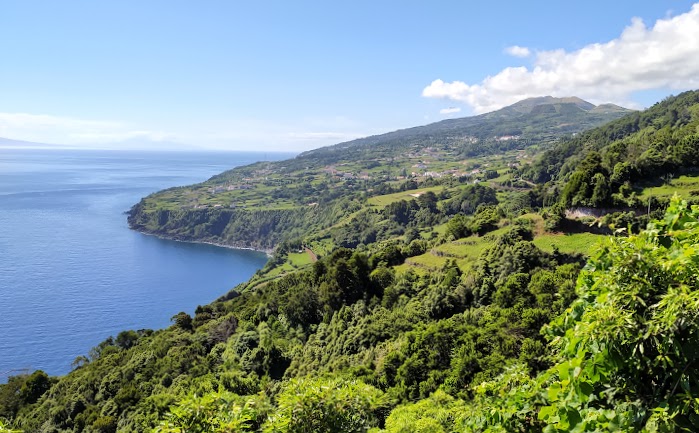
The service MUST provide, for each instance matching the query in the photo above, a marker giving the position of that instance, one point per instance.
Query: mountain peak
(609, 108)
(529, 104)
(534, 120)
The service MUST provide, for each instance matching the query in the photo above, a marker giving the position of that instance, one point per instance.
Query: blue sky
(296, 75)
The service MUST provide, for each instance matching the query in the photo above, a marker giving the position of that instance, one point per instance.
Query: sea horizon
(98, 277)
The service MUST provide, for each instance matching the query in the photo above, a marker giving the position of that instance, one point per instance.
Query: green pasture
(583, 243)
(684, 186)
(386, 199)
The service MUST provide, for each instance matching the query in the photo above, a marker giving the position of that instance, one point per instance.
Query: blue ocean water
(72, 273)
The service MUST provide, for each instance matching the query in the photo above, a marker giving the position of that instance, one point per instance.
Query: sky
(296, 75)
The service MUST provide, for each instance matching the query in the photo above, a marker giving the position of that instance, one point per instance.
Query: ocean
(72, 273)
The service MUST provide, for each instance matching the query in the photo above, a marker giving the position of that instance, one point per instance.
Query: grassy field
(684, 186)
(427, 261)
(175, 201)
(439, 229)
(299, 260)
(465, 251)
(279, 270)
(384, 200)
(405, 267)
(583, 243)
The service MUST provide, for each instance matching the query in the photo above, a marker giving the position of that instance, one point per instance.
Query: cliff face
(257, 229)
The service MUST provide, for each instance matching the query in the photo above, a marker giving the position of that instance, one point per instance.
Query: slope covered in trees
(450, 356)
(348, 319)
(604, 166)
(528, 122)
(437, 303)
(263, 204)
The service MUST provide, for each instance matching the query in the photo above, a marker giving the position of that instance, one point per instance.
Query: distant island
(130, 144)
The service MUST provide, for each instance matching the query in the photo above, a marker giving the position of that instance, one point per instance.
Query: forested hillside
(525, 123)
(253, 206)
(397, 301)
(602, 167)
(348, 345)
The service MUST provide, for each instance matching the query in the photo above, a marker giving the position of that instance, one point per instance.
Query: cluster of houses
(333, 171)
(223, 188)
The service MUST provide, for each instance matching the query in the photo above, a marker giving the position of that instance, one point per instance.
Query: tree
(326, 406)
(5, 429)
(302, 306)
(183, 321)
(126, 339)
(34, 387)
(428, 200)
(579, 188)
(10, 400)
(382, 277)
(686, 151)
(622, 173)
(624, 353)
(633, 332)
(485, 219)
(457, 227)
(600, 190)
(211, 413)
(554, 217)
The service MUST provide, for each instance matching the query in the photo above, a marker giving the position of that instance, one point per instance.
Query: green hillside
(529, 122)
(612, 166)
(470, 301)
(263, 204)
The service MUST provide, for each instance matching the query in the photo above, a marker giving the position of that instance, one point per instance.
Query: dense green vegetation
(346, 318)
(608, 166)
(531, 121)
(396, 302)
(263, 204)
(446, 352)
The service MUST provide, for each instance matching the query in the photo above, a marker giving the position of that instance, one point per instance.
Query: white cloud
(517, 51)
(115, 136)
(664, 56)
(450, 110)
(45, 128)
(237, 133)
(25, 120)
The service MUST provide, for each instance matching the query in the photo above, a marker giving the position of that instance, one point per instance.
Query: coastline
(268, 252)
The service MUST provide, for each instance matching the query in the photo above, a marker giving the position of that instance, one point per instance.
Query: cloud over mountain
(664, 56)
